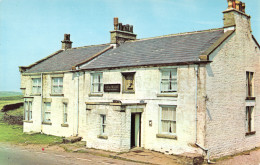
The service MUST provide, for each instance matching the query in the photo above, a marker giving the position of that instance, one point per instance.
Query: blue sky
(32, 29)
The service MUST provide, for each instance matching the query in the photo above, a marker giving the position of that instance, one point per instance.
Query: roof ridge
(177, 34)
(87, 46)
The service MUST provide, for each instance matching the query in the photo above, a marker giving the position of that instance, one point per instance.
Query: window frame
(103, 124)
(49, 111)
(249, 119)
(100, 83)
(170, 80)
(38, 85)
(65, 111)
(59, 85)
(160, 119)
(249, 84)
(28, 110)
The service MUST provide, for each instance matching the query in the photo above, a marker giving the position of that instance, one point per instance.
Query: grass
(14, 134)
(9, 93)
(16, 112)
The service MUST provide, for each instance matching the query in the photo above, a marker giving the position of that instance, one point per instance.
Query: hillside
(9, 93)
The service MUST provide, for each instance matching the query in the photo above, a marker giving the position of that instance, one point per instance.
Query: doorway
(135, 130)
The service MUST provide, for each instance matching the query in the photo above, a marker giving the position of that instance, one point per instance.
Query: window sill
(56, 94)
(102, 137)
(28, 121)
(46, 123)
(166, 136)
(65, 125)
(250, 98)
(35, 94)
(250, 133)
(95, 94)
(167, 95)
(128, 92)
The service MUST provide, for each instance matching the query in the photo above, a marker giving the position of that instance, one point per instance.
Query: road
(16, 155)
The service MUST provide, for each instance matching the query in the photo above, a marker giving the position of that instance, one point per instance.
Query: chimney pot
(237, 5)
(116, 23)
(66, 43)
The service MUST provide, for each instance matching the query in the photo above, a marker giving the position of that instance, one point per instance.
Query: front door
(135, 130)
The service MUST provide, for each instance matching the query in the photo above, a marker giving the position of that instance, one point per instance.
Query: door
(135, 130)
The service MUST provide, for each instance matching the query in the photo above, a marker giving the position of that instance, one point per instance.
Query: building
(190, 92)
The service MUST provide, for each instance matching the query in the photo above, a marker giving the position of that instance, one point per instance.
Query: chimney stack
(121, 33)
(66, 43)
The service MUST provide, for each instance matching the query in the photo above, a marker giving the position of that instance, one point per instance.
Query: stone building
(191, 92)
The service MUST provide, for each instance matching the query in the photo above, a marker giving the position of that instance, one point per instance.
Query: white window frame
(249, 84)
(28, 110)
(160, 119)
(47, 111)
(171, 80)
(99, 83)
(65, 113)
(103, 124)
(36, 88)
(59, 85)
(250, 128)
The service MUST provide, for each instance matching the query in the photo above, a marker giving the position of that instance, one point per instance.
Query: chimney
(231, 18)
(66, 43)
(121, 33)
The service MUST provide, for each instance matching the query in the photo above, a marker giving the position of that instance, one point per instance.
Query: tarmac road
(16, 155)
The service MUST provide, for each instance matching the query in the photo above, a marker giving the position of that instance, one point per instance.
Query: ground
(19, 148)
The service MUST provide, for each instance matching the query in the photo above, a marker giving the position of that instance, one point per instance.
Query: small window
(96, 83)
(249, 119)
(47, 112)
(28, 110)
(36, 86)
(103, 124)
(65, 113)
(57, 85)
(249, 84)
(168, 120)
(129, 82)
(168, 80)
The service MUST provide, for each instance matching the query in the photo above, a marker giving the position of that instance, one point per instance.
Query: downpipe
(77, 104)
(196, 118)
(41, 99)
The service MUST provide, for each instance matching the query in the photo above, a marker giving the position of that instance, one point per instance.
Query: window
(36, 85)
(103, 124)
(168, 119)
(47, 112)
(97, 83)
(129, 82)
(249, 119)
(65, 113)
(28, 110)
(57, 85)
(168, 80)
(249, 84)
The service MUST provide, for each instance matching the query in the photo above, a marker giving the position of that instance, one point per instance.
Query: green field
(14, 133)
(9, 93)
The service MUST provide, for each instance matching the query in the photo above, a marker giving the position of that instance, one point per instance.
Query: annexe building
(191, 92)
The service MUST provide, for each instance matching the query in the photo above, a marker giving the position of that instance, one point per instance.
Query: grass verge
(14, 134)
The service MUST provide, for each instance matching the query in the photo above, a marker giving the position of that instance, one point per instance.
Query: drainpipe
(196, 106)
(77, 104)
(41, 98)
(196, 117)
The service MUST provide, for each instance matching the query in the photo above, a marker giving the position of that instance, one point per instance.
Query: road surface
(16, 155)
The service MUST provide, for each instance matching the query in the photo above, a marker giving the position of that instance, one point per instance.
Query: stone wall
(226, 92)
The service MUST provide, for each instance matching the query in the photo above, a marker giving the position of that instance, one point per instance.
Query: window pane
(165, 75)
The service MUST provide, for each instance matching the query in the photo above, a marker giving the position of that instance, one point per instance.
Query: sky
(33, 29)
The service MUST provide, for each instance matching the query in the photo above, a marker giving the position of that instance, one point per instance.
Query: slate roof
(160, 50)
(170, 49)
(64, 60)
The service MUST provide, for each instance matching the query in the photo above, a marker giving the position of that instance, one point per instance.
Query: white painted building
(193, 92)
